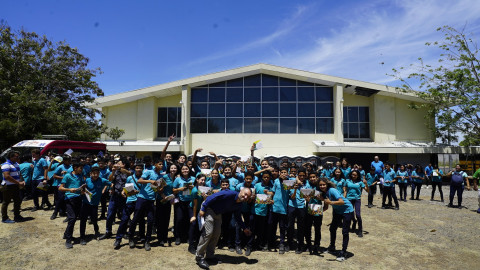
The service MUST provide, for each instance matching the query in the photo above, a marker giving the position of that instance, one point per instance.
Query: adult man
(457, 184)
(40, 175)
(212, 209)
(12, 182)
(378, 165)
(428, 174)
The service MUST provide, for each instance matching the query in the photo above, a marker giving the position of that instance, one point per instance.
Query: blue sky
(143, 43)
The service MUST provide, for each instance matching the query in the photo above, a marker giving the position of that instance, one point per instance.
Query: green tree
(115, 133)
(451, 87)
(44, 87)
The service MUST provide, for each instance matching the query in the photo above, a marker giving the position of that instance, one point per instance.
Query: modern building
(293, 112)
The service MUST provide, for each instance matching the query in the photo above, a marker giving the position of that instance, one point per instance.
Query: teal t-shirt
(333, 195)
(58, 171)
(371, 178)
(181, 182)
(133, 180)
(51, 172)
(198, 197)
(39, 169)
(417, 180)
(280, 198)
(346, 171)
(262, 209)
(403, 177)
(388, 177)
(438, 177)
(339, 184)
(213, 185)
(71, 180)
(298, 202)
(354, 189)
(146, 192)
(95, 187)
(26, 171)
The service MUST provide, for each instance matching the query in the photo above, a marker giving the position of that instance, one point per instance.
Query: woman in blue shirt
(437, 181)
(338, 179)
(372, 179)
(345, 167)
(164, 206)
(402, 179)
(182, 188)
(417, 180)
(353, 192)
(342, 215)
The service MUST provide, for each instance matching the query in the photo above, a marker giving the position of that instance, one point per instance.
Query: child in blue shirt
(279, 212)
(389, 178)
(262, 211)
(313, 219)
(297, 211)
(372, 180)
(338, 180)
(402, 179)
(59, 197)
(182, 187)
(248, 216)
(353, 192)
(418, 176)
(164, 206)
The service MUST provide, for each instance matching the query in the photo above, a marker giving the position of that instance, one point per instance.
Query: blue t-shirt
(71, 180)
(438, 177)
(378, 166)
(346, 171)
(95, 187)
(354, 189)
(39, 169)
(333, 195)
(52, 169)
(233, 182)
(26, 172)
(198, 197)
(388, 177)
(241, 178)
(371, 178)
(146, 192)
(13, 169)
(404, 177)
(262, 209)
(168, 188)
(181, 182)
(428, 170)
(417, 180)
(339, 184)
(213, 185)
(298, 202)
(280, 198)
(133, 180)
(105, 172)
(58, 171)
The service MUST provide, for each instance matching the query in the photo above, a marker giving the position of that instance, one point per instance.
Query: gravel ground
(423, 234)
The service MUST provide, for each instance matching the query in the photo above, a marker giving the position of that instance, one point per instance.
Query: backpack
(457, 178)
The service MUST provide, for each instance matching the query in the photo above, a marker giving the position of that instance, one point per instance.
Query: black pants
(128, 210)
(456, 189)
(280, 220)
(418, 187)
(228, 230)
(73, 210)
(103, 202)
(261, 226)
(403, 190)
(38, 192)
(143, 208)
(162, 219)
(434, 187)
(193, 230)
(341, 220)
(11, 192)
(181, 221)
(372, 190)
(316, 221)
(59, 201)
(298, 214)
(91, 211)
(248, 219)
(389, 191)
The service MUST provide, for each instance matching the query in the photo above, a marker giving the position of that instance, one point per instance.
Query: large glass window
(170, 121)
(262, 104)
(356, 122)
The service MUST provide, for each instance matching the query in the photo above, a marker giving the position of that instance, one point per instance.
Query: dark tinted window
(306, 125)
(199, 94)
(306, 94)
(216, 125)
(306, 110)
(302, 83)
(234, 110)
(216, 110)
(288, 125)
(363, 114)
(162, 115)
(324, 93)
(235, 82)
(324, 109)
(324, 125)
(254, 80)
(270, 94)
(251, 125)
(268, 80)
(216, 95)
(364, 130)
(287, 82)
(288, 110)
(198, 125)
(199, 110)
(234, 94)
(251, 109)
(162, 130)
(234, 125)
(252, 94)
(288, 94)
(270, 109)
(353, 114)
(270, 125)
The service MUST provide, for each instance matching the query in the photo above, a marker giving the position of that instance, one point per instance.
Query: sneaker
(202, 263)
(265, 248)
(287, 248)
(68, 244)
(19, 219)
(248, 251)
(177, 241)
(360, 234)
(298, 250)
(396, 208)
(8, 221)
(117, 243)
(238, 249)
(131, 243)
(340, 257)
(330, 250)
(105, 236)
(450, 205)
(192, 250)
(161, 243)
(65, 220)
(147, 246)
(54, 216)
(370, 206)
(83, 242)
(231, 249)
(35, 209)
(281, 249)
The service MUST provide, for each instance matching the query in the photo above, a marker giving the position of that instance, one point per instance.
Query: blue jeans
(456, 189)
(127, 212)
(117, 202)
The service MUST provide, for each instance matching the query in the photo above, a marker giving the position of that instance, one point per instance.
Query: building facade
(292, 112)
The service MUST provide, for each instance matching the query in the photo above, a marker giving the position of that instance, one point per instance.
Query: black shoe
(65, 220)
(213, 260)
(116, 245)
(131, 242)
(248, 251)
(192, 250)
(383, 207)
(105, 236)
(450, 205)
(202, 263)
(147, 246)
(68, 244)
(178, 241)
(396, 208)
(19, 219)
(298, 251)
(287, 248)
(354, 226)
(315, 250)
(330, 249)
(238, 249)
(340, 257)
(125, 236)
(35, 208)
(161, 243)
(360, 234)
(83, 242)
(370, 206)
(281, 249)
(54, 216)
(231, 249)
(310, 250)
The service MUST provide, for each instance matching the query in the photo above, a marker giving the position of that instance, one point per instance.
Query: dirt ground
(421, 235)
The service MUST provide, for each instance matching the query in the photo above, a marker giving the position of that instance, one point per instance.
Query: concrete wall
(123, 116)
(410, 123)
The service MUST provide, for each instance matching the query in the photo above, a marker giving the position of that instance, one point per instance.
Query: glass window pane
(353, 131)
(216, 110)
(218, 84)
(345, 130)
(324, 125)
(216, 94)
(302, 83)
(179, 114)
(254, 80)
(251, 110)
(234, 94)
(216, 125)
(306, 125)
(324, 93)
(162, 130)
(234, 110)
(364, 130)
(234, 125)
(306, 94)
(251, 125)
(199, 110)
(352, 114)
(288, 94)
(172, 114)
(345, 114)
(324, 109)
(199, 94)
(363, 114)
(179, 130)
(172, 129)
(270, 125)
(306, 109)
(270, 109)
(198, 125)
(268, 80)
(288, 109)
(288, 125)
(269, 93)
(235, 82)
(287, 82)
(162, 114)
(252, 94)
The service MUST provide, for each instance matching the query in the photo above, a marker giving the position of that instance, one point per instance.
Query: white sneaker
(340, 259)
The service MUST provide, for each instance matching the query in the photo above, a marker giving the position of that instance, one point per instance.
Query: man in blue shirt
(378, 165)
(212, 209)
(11, 185)
(40, 171)
(428, 174)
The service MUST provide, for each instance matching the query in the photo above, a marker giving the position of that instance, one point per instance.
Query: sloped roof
(175, 87)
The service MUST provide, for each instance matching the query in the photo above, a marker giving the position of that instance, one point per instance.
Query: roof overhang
(175, 88)
(141, 146)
